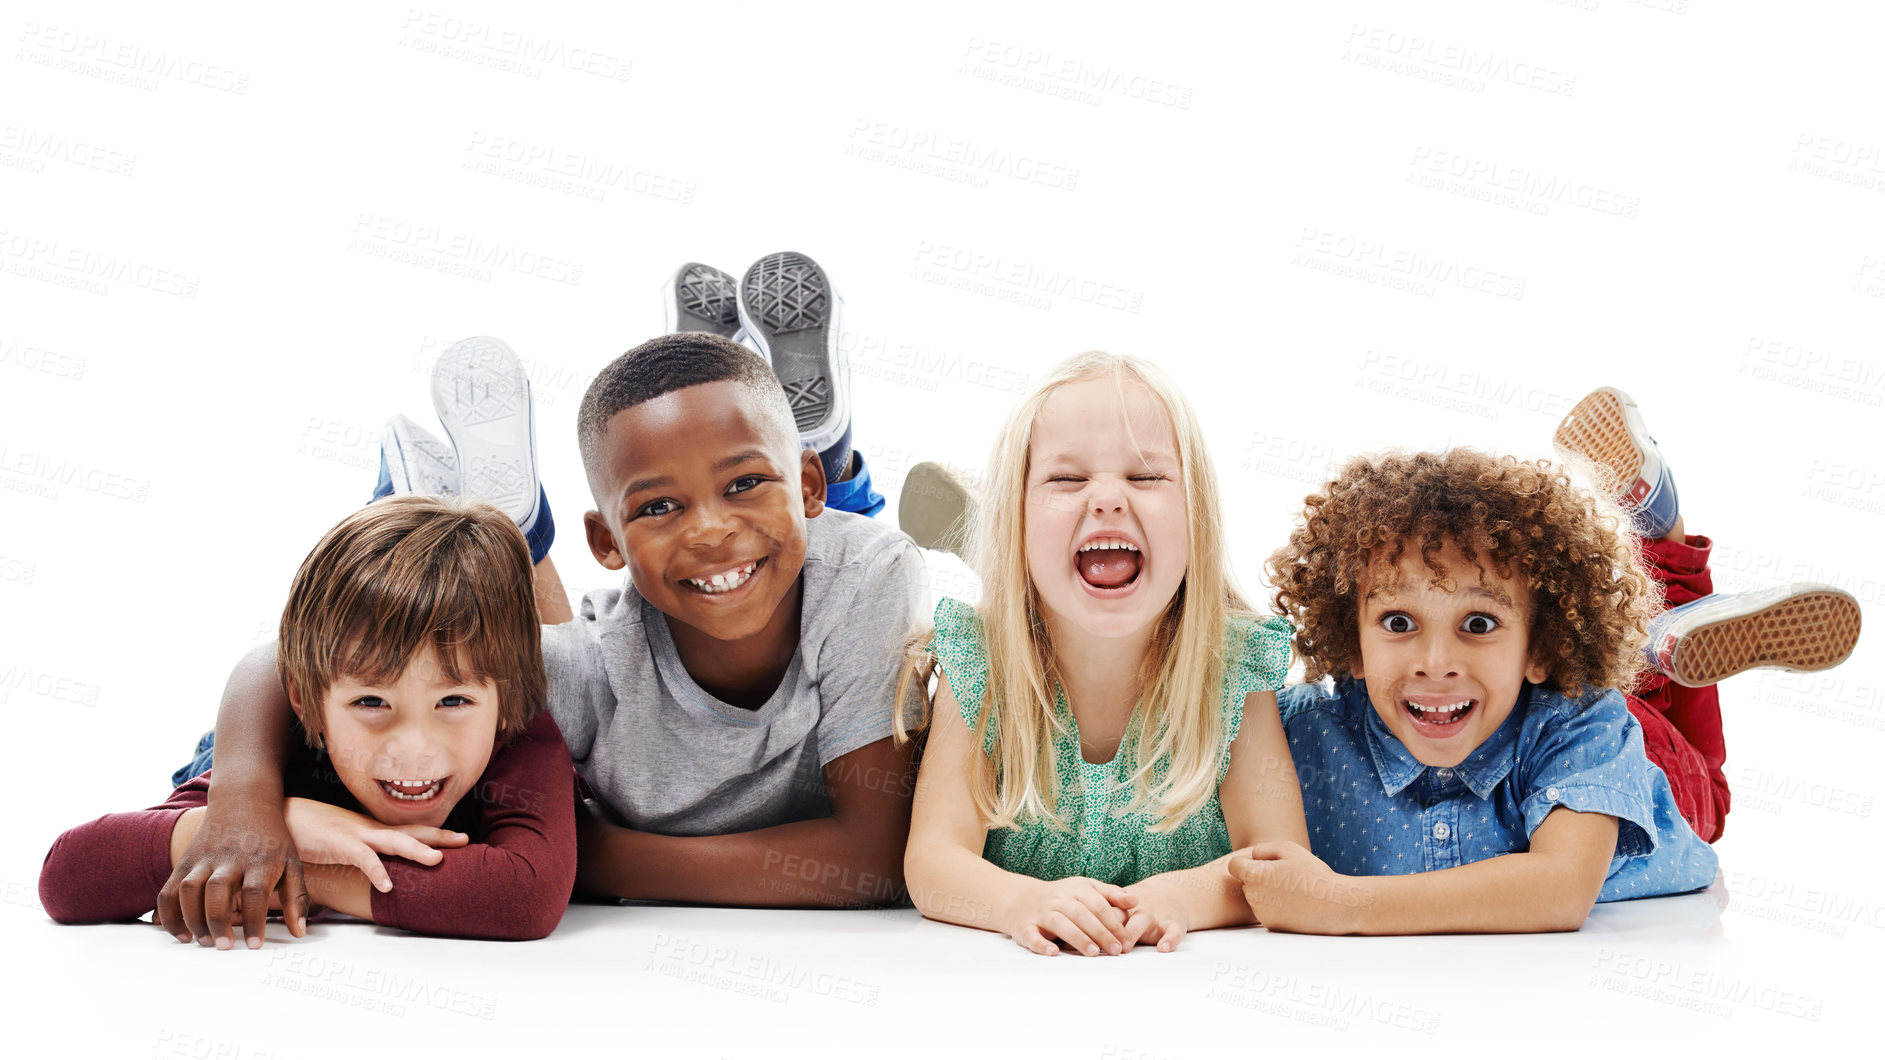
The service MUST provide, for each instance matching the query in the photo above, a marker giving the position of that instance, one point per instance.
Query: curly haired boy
(1467, 762)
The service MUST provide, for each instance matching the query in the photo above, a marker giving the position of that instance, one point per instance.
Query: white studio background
(233, 241)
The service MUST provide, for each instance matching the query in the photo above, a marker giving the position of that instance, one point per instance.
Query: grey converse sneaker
(702, 298)
(790, 309)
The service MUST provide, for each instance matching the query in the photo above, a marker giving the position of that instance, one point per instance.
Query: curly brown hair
(1526, 520)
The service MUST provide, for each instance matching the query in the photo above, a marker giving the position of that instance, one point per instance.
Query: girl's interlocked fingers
(1086, 915)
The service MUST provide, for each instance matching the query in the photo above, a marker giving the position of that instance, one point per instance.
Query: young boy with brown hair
(409, 651)
(730, 704)
(1467, 762)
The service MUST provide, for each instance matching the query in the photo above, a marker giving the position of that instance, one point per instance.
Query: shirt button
(1441, 831)
(1444, 773)
(1552, 794)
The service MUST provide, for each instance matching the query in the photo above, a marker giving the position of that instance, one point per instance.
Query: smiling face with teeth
(705, 496)
(1106, 530)
(1445, 663)
(411, 747)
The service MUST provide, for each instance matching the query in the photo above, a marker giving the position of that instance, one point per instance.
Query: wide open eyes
(1479, 624)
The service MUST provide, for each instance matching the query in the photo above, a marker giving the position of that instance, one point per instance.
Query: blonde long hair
(1182, 736)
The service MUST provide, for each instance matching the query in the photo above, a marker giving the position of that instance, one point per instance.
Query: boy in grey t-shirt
(666, 755)
(730, 706)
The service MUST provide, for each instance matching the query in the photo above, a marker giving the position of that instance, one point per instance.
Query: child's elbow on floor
(1570, 915)
(536, 926)
(535, 918)
(63, 891)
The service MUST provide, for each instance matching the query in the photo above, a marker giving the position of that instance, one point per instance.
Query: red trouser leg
(1682, 726)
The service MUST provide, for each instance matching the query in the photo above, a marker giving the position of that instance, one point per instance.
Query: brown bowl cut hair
(1525, 520)
(407, 572)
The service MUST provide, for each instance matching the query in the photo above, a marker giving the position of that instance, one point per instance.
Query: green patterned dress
(1103, 841)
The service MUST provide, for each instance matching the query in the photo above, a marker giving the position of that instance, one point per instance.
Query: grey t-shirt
(668, 757)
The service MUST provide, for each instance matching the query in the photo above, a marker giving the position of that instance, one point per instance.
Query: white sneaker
(413, 461)
(483, 399)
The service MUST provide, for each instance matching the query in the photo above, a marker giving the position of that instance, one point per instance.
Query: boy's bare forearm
(255, 728)
(1207, 896)
(342, 888)
(1517, 893)
(806, 864)
(183, 831)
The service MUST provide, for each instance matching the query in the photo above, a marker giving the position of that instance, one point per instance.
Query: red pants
(1682, 726)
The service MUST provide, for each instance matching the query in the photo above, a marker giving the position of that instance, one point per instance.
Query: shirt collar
(1493, 760)
(1393, 762)
(1482, 770)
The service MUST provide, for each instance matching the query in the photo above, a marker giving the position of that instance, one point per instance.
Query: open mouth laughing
(1109, 563)
(726, 581)
(1438, 716)
(414, 792)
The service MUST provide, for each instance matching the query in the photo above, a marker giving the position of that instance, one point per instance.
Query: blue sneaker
(1801, 627)
(702, 298)
(789, 309)
(1607, 428)
(483, 399)
(413, 461)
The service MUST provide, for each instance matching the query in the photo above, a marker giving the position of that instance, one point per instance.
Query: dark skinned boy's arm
(242, 852)
(852, 858)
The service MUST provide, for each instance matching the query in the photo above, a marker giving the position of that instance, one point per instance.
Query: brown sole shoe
(1596, 427)
(1802, 627)
(1607, 428)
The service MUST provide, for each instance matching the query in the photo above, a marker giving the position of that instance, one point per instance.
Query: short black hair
(662, 366)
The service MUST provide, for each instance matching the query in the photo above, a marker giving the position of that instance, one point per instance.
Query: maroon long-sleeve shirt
(512, 881)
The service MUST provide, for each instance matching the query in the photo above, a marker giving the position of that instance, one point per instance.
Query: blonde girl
(1104, 729)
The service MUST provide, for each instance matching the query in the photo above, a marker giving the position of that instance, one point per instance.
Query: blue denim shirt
(1375, 810)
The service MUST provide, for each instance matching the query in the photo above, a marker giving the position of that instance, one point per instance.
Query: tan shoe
(934, 508)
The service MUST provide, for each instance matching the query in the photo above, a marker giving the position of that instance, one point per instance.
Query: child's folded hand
(1290, 889)
(330, 835)
(1085, 914)
(1151, 921)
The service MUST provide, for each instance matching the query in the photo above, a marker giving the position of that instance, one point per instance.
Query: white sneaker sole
(483, 400)
(416, 461)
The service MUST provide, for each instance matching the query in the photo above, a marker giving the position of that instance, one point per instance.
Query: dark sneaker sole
(703, 298)
(1596, 428)
(789, 310)
(1813, 630)
(934, 509)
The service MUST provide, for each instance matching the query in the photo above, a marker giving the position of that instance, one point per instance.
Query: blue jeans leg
(855, 493)
(199, 765)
